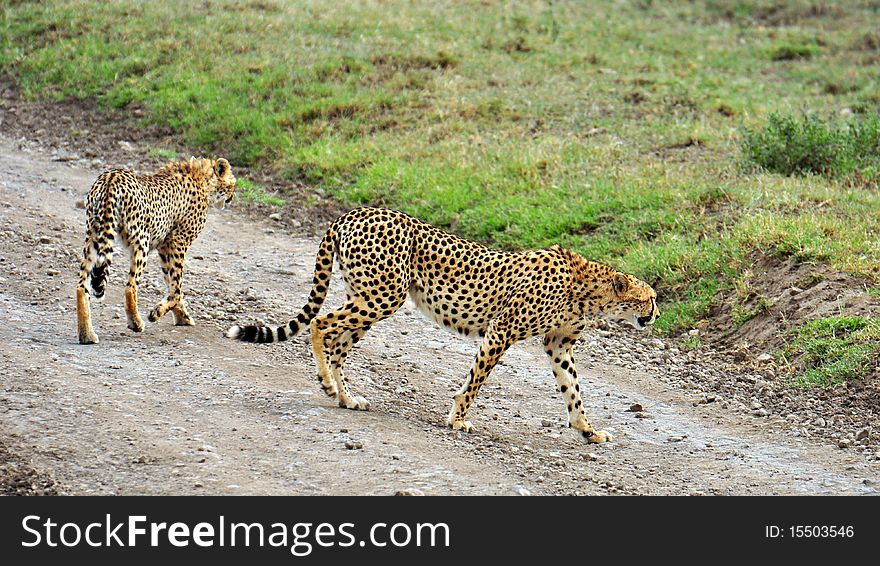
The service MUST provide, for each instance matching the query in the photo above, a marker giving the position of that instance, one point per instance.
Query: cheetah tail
(98, 253)
(320, 284)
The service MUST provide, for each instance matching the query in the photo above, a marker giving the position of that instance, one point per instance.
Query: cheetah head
(634, 301)
(225, 182)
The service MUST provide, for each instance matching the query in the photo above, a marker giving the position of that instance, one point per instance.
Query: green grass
(612, 128)
(249, 191)
(833, 350)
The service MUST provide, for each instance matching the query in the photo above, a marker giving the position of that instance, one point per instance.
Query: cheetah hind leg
(337, 361)
(325, 377)
(329, 333)
(181, 314)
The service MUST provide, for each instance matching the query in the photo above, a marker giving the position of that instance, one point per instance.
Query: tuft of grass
(162, 153)
(689, 343)
(249, 191)
(741, 314)
(835, 349)
(813, 145)
(792, 51)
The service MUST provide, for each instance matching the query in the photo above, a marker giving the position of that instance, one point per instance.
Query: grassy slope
(612, 128)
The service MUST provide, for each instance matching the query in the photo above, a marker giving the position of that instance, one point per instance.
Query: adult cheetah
(163, 211)
(499, 296)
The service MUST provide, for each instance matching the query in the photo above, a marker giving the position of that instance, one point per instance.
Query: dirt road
(187, 411)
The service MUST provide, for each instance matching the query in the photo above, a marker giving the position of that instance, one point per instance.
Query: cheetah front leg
(492, 348)
(173, 256)
(558, 347)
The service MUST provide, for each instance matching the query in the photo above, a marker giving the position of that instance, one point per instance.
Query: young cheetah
(164, 211)
(501, 297)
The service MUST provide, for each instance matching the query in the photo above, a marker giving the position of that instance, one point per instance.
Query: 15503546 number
(821, 531)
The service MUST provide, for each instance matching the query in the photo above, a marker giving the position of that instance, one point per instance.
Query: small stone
(353, 445)
(863, 434)
(590, 457)
(275, 216)
(675, 438)
(409, 492)
(694, 332)
(764, 358)
(52, 272)
(45, 240)
(62, 155)
(546, 424)
(520, 490)
(636, 408)
(762, 412)
(80, 204)
(844, 443)
(820, 422)
(755, 405)
(198, 484)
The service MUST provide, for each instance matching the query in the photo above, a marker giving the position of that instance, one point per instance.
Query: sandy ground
(187, 411)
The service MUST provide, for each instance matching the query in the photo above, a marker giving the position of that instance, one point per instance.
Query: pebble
(844, 443)
(764, 358)
(275, 216)
(636, 408)
(546, 424)
(820, 422)
(589, 457)
(755, 405)
(863, 434)
(413, 492)
(354, 445)
(520, 490)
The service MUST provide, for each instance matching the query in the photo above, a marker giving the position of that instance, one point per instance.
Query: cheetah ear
(221, 167)
(621, 283)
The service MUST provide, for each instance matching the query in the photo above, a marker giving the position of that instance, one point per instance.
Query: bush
(811, 145)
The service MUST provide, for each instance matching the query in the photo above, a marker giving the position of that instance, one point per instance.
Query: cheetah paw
(466, 426)
(356, 403)
(136, 325)
(596, 436)
(88, 337)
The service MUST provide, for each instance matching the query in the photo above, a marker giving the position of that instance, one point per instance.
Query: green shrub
(812, 145)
